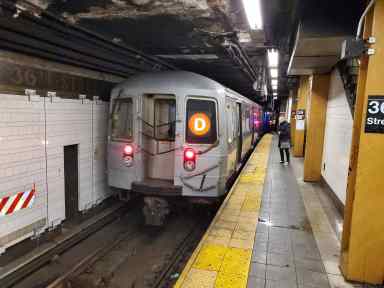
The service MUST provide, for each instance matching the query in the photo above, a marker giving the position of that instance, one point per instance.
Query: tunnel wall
(337, 140)
(34, 131)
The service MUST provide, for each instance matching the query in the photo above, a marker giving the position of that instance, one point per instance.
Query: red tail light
(189, 159)
(128, 155)
(128, 150)
(189, 154)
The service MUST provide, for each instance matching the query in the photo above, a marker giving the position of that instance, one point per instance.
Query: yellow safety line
(223, 256)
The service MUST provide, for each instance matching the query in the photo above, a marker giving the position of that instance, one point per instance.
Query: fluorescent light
(273, 58)
(274, 72)
(274, 87)
(253, 10)
(274, 82)
(274, 93)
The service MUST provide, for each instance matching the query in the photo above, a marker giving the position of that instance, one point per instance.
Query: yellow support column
(316, 113)
(363, 234)
(293, 96)
(299, 135)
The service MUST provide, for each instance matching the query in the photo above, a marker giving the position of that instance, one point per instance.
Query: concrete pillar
(299, 140)
(316, 115)
(363, 234)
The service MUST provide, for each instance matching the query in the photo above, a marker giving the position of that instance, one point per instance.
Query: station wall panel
(33, 133)
(100, 112)
(338, 137)
(22, 154)
(69, 122)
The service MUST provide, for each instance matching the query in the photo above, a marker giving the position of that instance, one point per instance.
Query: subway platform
(273, 230)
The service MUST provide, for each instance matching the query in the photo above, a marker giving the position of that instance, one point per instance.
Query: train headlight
(189, 159)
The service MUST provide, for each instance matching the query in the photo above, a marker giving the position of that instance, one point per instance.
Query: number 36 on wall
(375, 107)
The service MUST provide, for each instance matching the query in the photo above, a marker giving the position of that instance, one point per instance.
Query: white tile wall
(22, 157)
(337, 141)
(100, 112)
(69, 121)
(23, 161)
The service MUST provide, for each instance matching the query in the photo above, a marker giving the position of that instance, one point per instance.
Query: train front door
(159, 120)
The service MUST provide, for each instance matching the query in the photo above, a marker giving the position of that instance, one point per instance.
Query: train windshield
(201, 121)
(122, 119)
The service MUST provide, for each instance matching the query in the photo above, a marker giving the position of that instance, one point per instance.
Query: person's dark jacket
(284, 132)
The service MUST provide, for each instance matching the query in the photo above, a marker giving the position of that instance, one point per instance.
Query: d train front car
(177, 134)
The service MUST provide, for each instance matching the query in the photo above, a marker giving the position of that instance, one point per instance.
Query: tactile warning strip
(223, 256)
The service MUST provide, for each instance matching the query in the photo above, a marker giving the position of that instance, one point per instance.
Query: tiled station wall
(338, 137)
(33, 133)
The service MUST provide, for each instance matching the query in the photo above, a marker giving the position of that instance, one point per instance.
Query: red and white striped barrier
(21, 200)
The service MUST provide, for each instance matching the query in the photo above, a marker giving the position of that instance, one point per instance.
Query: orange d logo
(199, 124)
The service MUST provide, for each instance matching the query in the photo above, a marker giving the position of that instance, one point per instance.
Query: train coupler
(155, 211)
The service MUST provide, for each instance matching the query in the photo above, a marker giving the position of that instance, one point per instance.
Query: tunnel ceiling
(210, 37)
(190, 34)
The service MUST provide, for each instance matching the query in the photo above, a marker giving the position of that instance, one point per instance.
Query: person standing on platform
(284, 139)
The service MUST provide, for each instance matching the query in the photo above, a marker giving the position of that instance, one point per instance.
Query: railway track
(176, 263)
(14, 275)
(140, 257)
(64, 281)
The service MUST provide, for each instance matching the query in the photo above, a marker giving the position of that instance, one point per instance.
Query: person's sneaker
(281, 161)
(286, 163)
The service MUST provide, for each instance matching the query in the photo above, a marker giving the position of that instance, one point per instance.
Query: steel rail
(90, 259)
(13, 276)
(192, 237)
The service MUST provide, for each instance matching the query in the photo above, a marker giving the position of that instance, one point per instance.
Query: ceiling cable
(360, 27)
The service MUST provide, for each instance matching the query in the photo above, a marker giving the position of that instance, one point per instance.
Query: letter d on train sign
(374, 121)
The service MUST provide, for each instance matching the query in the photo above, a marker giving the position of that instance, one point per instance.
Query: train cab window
(122, 119)
(201, 121)
(165, 119)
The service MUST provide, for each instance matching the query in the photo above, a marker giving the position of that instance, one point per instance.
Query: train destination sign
(374, 122)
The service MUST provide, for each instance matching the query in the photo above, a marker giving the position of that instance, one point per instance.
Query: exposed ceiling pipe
(40, 14)
(360, 27)
(244, 61)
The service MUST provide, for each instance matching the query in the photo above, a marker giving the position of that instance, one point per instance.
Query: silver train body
(178, 134)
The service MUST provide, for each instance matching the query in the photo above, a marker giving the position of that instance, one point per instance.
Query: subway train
(177, 135)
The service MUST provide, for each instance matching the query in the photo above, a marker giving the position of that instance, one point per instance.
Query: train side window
(201, 124)
(247, 116)
(122, 119)
(230, 122)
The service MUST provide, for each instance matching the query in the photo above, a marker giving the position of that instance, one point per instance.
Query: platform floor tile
(285, 253)
(199, 278)
(224, 254)
(210, 257)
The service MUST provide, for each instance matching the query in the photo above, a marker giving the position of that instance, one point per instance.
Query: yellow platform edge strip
(227, 264)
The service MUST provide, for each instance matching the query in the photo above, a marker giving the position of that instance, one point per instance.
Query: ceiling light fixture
(274, 82)
(274, 93)
(273, 58)
(274, 87)
(274, 72)
(253, 10)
